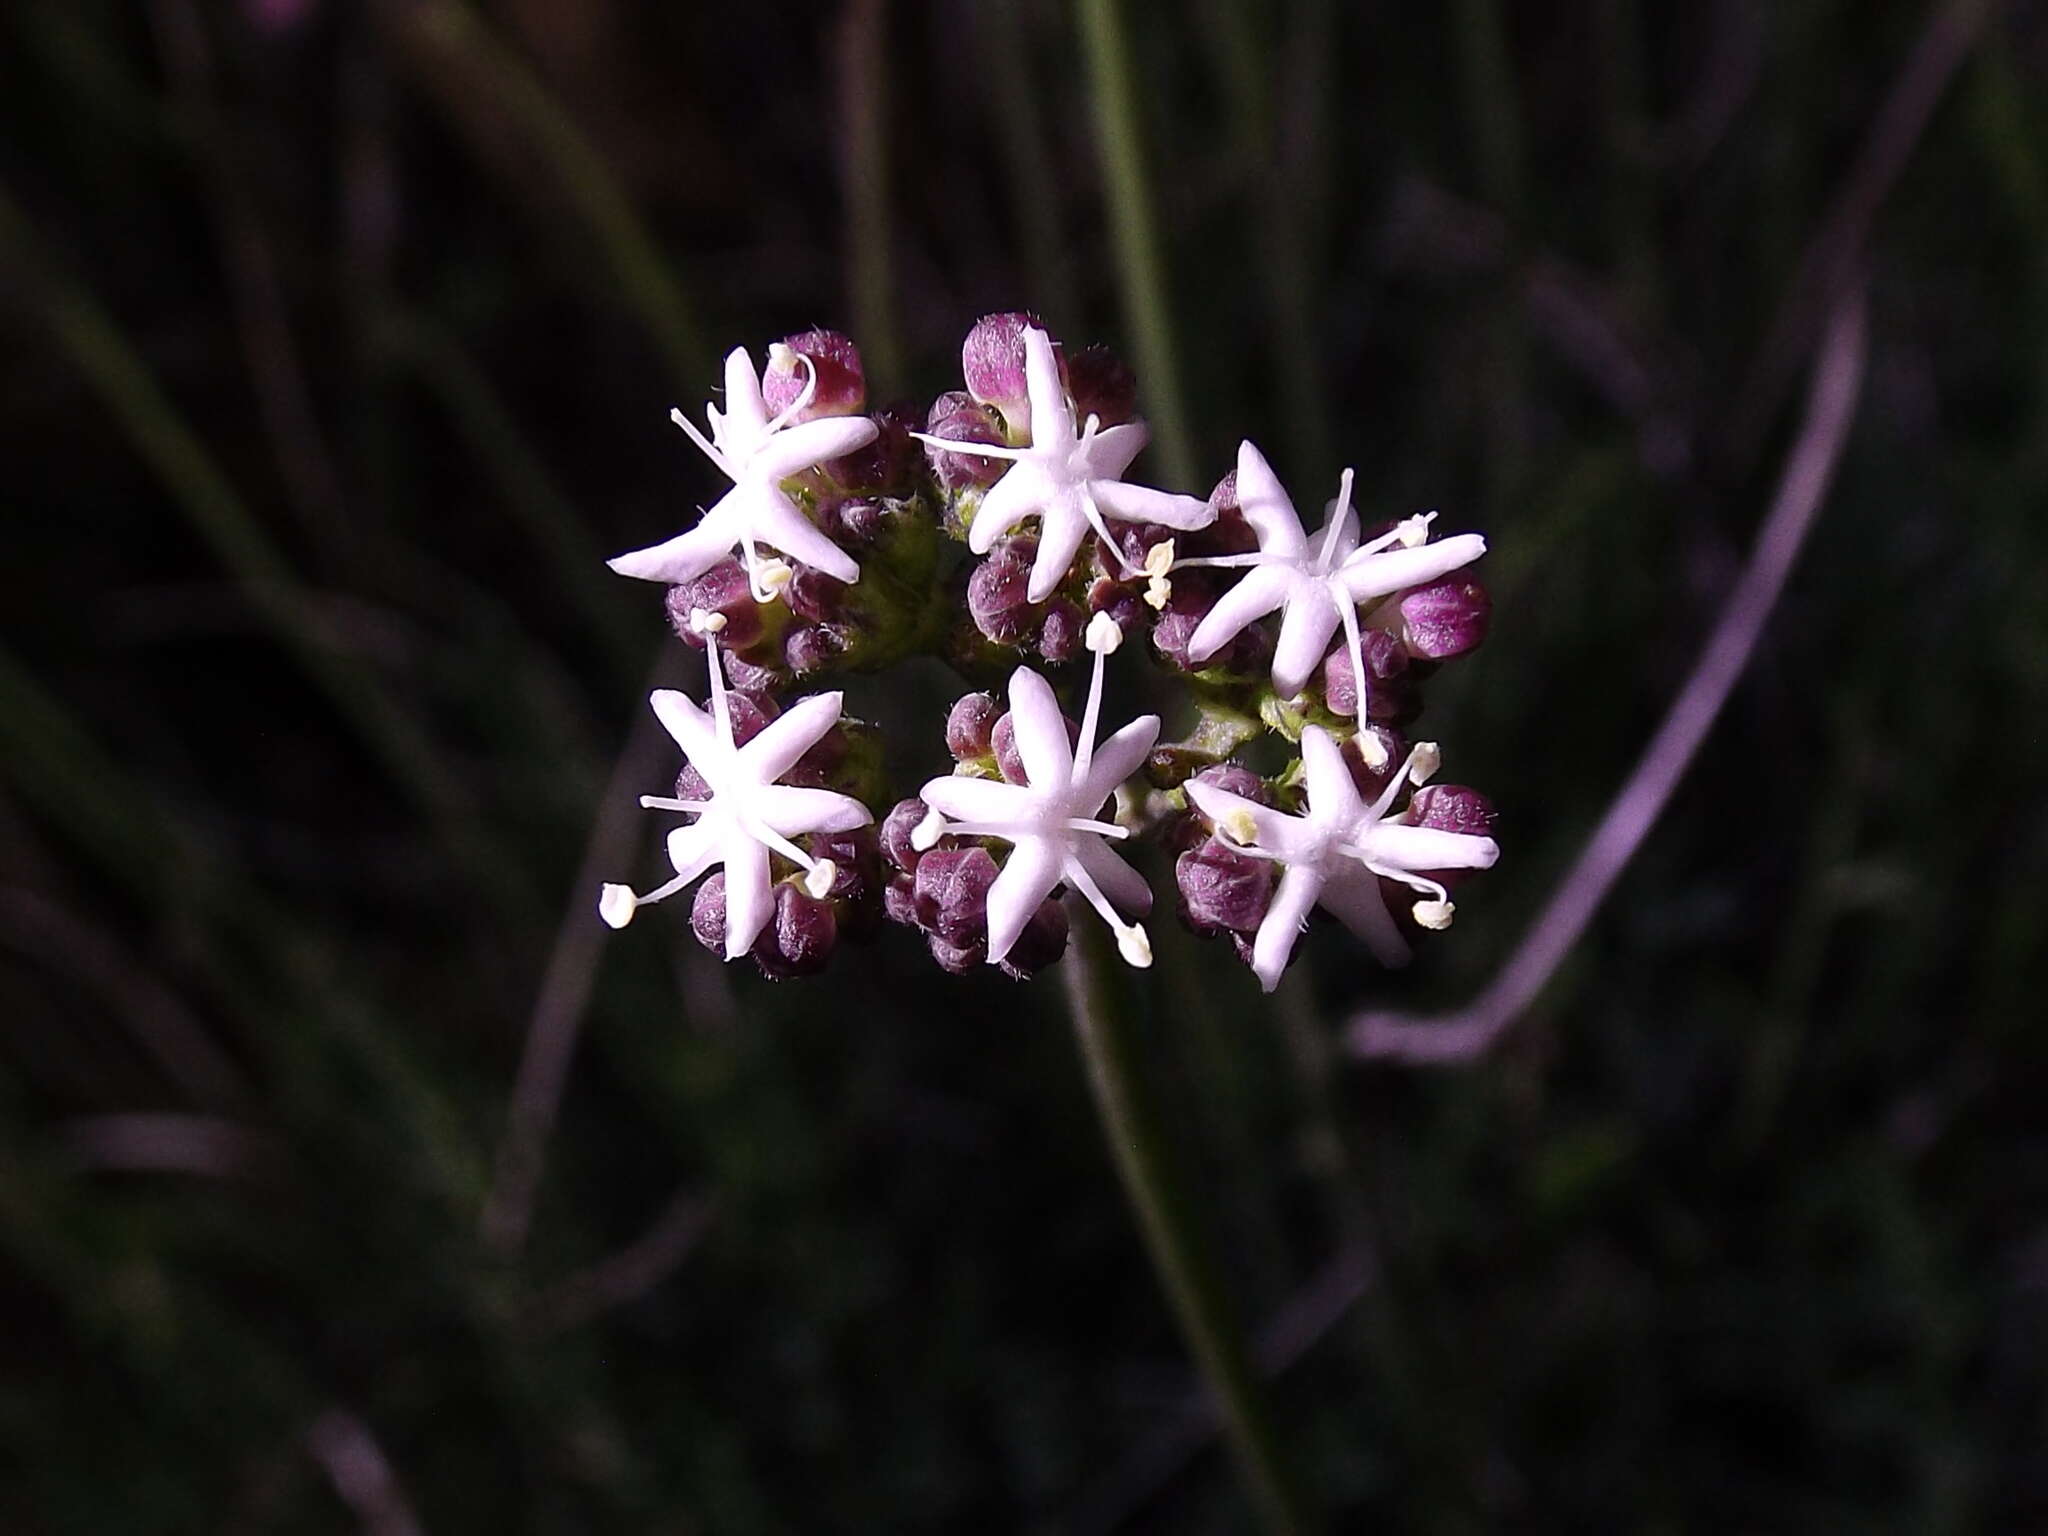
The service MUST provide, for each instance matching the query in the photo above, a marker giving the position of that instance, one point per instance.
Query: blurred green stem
(1140, 268)
(1098, 1003)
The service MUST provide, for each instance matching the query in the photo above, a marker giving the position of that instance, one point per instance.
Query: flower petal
(1305, 632)
(746, 413)
(793, 811)
(1333, 797)
(1052, 420)
(1142, 504)
(983, 801)
(1273, 945)
(1113, 448)
(749, 898)
(1287, 837)
(1355, 899)
(686, 556)
(1266, 506)
(1022, 491)
(1370, 576)
(1126, 889)
(1061, 528)
(1027, 878)
(1115, 760)
(1041, 731)
(789, 736)
(1262, 589)
(775, 520)
(694, 848)
(691, 726)
(809, 444)
(1426, 848)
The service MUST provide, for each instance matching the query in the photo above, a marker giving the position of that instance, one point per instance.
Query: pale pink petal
(1021, 493)
(978, 800)
(1041, 730)
(686, 556)
(1333, 796)
(1391, 570)
(1114, 448)
(749, 898)
(693, 849)
(1027, 878)
(693, 729)
(776, 521)
(1116, 760)
(1276, 831)
(746, 414)
(1123, 885)
(1426, 848)
(1266, 506)
(789, 736)
(792, 811)
(1355, 899)
(808, 444)
(1262, 589)
(1052, 422)
(1142, 504)
(1061, 529)
(1273, 945)
(1305, 633)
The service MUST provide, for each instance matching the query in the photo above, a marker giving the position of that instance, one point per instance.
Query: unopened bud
(958, 419)
(952, 886)
(992, 364)
(1221, 888)
(969, 725)
(1447, 618)
(841, 388)
(800, 936)
(998, 592)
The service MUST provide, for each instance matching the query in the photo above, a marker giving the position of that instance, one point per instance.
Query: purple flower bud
(1102, 386)
(883, 467)
(759, 675)
(1194, 594)
(811, 594)
(1447, 618)
(958, 419)
(799, 937)
(952, 892)
(707, 913)
(842, 385)
(1042, 942)
(1384, 660)
(969, 725)
(899, 900)
(992, 361)
(809, 647)
(997, 591)
(897, 826)
(722, 589)
(957, 959)
(1452, 808)
(1118, 599)
(1223, 888)
(1238, 780)
(857, 520)
(1059, 637)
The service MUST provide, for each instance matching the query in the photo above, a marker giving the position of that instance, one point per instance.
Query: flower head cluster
(1015, 542)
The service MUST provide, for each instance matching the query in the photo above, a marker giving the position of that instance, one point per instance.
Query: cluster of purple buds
(997, 530)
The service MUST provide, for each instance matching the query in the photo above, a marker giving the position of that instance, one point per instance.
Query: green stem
(1141, 271)
(1097, 1002)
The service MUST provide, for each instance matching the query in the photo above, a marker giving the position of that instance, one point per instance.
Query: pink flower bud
(1059, 636)
(1452, 808)
(1386, 690)
(969, 725)
(998, 592)
(800, 936)
(811, 594)
(811, 647)
(722, 590)
(952, 892)
(707, 913)
(957, 959)
(1003, 742)
(1042, 942)
(992, 362)
(1223, 888)
(958, 419)
(883, 468)
(842, 385)
(1447, 618)
(897, 826)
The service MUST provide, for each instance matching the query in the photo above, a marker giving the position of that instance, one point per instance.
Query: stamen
(704, 444)
(1434, 914)
(1371, 750)
(1132, 942)
(1424, 761)
(1099, 828)
(1239, 826)
(1339, 516)
(818, 880)
(1414, 531)
(982, 450)
(1225, 562)
(774, 575)
(782, 418)
(1093, 513)
(667, 803)
(1135, 945)
(1159, 561)
(1103, 636)
(721, 711)
(616, 904)
(926, 834)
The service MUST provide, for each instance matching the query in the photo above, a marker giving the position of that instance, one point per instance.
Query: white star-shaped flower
(757, 453)
(1319, 587)
(1050, 820)
(748, 814)
(1071, 482)
(1335, 854)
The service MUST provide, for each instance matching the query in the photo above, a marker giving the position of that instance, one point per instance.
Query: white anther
(1159, 558)
(1372, 751)
(1104, 635)
(1135, 945)
(1415, 530)
(926, 834)
(1434, 914)
(773, 574)
(1424, 761)
(1239, 827)
(819, 877)
(616, 904)
(705, 622)
(780, 355)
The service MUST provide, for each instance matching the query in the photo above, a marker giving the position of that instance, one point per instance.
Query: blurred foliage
(339, 341)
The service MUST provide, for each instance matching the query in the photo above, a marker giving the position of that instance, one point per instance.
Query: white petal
(1061, 528)
(1355, 899)
(1333, 797)
(1304, 638)
(1142, 504)
(789, 736)
(793, 811)
(1123, 885)
(1115, 760)
(1041, 730)
(1370, 576)
(1266, 506)
(1262, 589)
(746, 414)
(1114, 448)
(1273, 945)
(1427, 848)
(810, 443)
(1021, 493)
(684, 557)
(776, 520)
(1028, 877)
(1277, 832)
(986, 801)
(1052, 420)
(693, 729)
(749, 898)
(694, 849)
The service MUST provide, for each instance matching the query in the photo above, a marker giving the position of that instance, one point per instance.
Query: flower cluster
(1004, 537)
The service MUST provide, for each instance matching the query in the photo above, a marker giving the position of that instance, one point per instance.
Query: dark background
(336, 342)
